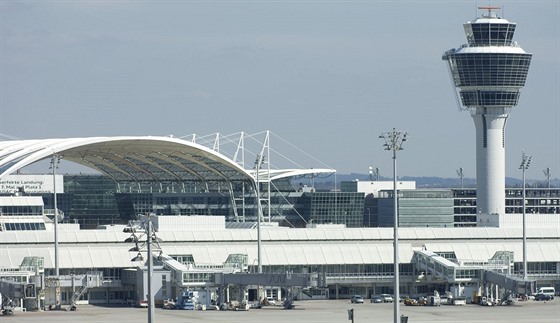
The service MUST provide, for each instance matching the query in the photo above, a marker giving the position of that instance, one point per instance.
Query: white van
(549, 291)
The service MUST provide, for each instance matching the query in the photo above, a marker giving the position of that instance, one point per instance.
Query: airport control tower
(488, 73)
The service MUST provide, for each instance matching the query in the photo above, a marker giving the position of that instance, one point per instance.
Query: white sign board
(31, 184)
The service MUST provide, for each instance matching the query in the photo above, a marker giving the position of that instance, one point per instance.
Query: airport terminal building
(206, 206)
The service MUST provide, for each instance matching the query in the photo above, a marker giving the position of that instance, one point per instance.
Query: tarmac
(320, 311)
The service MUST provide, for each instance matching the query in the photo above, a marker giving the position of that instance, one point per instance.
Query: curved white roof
(130, 158)
(284, 173)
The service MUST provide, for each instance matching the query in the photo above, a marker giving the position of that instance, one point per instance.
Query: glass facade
(537, 200)
(489, 98)
(491, 69)
(333, 207)
(417, 208)
(464, 203)
(132, 204)
(92, 200)
(87, 199)
(490, 34)
(489, 78)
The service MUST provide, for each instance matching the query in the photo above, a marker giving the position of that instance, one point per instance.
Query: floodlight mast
(488, 74)
(373, 172)
(146, 229)
(151, 304)
(258, 162)
(394, 141)
(461, 175)
(525, 162)
(55, 160)
(546, 172)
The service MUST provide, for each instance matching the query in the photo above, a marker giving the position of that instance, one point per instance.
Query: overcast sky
(326, 76)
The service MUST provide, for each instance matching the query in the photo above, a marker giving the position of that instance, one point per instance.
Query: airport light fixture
(525, 162)
(55, 160)
(258, 162)
(394, 141)
(140, 232)
(546, 172)
(461, 175)
(373, 172)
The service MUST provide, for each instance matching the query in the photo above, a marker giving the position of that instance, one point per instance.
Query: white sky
(326, 76)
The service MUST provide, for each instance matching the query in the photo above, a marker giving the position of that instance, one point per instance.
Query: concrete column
(336, 291)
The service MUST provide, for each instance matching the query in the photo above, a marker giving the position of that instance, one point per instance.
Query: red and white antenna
(489, 8)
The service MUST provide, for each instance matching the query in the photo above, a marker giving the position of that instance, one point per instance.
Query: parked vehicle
(358, 299)
(270, 301)
(386, 298)
(550, 291)
(142, 303)
(411, 302)
(376, 299)
(543, 297)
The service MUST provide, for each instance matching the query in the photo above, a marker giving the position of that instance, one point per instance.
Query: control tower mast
(488, 73)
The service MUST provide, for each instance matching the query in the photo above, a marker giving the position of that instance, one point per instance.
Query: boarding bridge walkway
(277, 280)
(435, 265)
(199, 275)
(513, 284)
(492, 271)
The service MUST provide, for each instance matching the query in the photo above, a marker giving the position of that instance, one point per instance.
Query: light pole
(525, 162)
(546, 172)
(55, 160)
(258, 163)
(394, 141)
(373, 172)
(461, 175)
(146, 229)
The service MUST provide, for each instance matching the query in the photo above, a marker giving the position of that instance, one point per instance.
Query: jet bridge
(513, 284)
(491, 272)
(290, 281)
(436, 265)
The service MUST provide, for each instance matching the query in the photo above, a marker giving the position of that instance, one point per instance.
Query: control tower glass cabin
(488, 73)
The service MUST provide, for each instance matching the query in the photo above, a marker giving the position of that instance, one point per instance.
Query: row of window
(467, 273)
(23, 226)
(198, 277)
(491, 69)
(18, 210)
(490, 34)
(489, 98)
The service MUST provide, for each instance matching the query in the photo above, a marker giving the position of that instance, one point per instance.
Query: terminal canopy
(137, 159)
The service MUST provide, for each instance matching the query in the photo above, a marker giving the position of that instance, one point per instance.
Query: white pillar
(490, 159)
